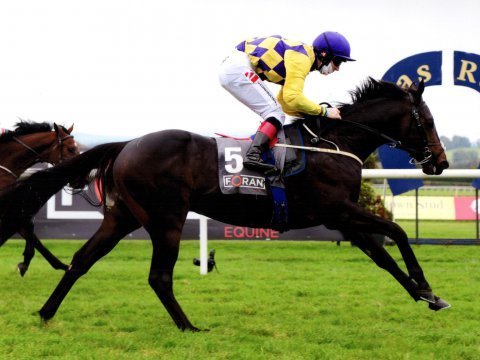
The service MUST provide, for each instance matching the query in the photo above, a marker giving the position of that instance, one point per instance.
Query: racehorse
(155, 180)
(30, 143)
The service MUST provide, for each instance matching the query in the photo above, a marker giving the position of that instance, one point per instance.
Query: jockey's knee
(276, 117)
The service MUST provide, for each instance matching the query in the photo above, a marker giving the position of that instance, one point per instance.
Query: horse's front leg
(356, 219)
(28, 254)
(382, 258)
(29, 251)
(7, 229)
(32, 243)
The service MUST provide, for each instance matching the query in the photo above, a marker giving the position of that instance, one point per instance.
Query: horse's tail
(24, 198)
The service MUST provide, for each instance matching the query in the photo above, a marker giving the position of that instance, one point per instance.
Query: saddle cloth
(236, 179)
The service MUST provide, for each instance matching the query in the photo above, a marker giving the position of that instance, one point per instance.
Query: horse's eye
(71, 150)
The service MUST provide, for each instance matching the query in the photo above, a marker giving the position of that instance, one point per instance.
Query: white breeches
(239, 79)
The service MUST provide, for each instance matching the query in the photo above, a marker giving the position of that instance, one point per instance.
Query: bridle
(39, 157)
(426, 154)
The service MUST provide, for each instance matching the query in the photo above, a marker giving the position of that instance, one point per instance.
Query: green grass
(269, 300)
(432, 229)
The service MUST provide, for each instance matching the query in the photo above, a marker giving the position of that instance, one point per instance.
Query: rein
(329, 151)
(9, 171)
(26, 146)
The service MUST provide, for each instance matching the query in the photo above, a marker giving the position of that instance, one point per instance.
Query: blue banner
(392, 158)
(426, 66)
(476, 182)
(466, 69)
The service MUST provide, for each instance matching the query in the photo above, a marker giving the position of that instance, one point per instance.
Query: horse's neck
(18, 158)
(361, 145)
(362, 142)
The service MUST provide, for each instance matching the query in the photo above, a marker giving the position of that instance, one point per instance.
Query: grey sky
(126, 68)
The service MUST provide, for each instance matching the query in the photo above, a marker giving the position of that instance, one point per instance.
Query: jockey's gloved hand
(331, 112)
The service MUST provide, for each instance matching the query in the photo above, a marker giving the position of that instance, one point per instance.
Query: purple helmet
(334, 43)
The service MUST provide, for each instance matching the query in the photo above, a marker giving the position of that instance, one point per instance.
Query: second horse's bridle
(39, 157)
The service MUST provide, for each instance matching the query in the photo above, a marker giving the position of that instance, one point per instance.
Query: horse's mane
(370, 89)
(24, 127)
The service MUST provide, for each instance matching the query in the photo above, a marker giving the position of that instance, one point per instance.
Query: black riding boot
(253, 158)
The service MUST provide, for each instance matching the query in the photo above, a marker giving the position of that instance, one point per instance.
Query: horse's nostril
(444, 165)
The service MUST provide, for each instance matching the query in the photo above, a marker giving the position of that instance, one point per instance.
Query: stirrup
(259, 166)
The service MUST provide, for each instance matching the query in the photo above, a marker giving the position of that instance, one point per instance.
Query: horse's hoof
(22, 268)
(43, 316)
(427, 296)
(439, 304)
(193, 329)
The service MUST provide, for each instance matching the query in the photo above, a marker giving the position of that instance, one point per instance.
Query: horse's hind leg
(166, 241)
(163, 216)
(116, 224)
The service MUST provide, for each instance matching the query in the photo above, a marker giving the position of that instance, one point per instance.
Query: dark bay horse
(30, 143)
(155, 180)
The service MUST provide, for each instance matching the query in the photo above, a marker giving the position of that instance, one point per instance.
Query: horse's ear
(417, 91)
(412, 88)
(55, 127)
(421, 87)
(70, 129)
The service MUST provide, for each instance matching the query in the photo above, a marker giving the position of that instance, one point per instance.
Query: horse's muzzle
(435, 169)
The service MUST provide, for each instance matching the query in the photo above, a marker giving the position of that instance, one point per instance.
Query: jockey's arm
(291, 96)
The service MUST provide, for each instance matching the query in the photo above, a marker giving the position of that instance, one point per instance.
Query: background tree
(460, 142)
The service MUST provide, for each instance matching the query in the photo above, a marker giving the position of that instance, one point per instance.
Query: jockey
(286, 63)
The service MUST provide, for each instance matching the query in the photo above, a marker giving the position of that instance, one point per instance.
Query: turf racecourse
(269, 300)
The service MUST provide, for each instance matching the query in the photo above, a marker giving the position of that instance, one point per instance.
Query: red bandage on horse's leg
(268, 129)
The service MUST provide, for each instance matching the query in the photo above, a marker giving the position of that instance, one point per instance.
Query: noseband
(426, 153)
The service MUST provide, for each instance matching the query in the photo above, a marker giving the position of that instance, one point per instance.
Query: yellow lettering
(424, 72)
(404, 81)
(467, 69)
